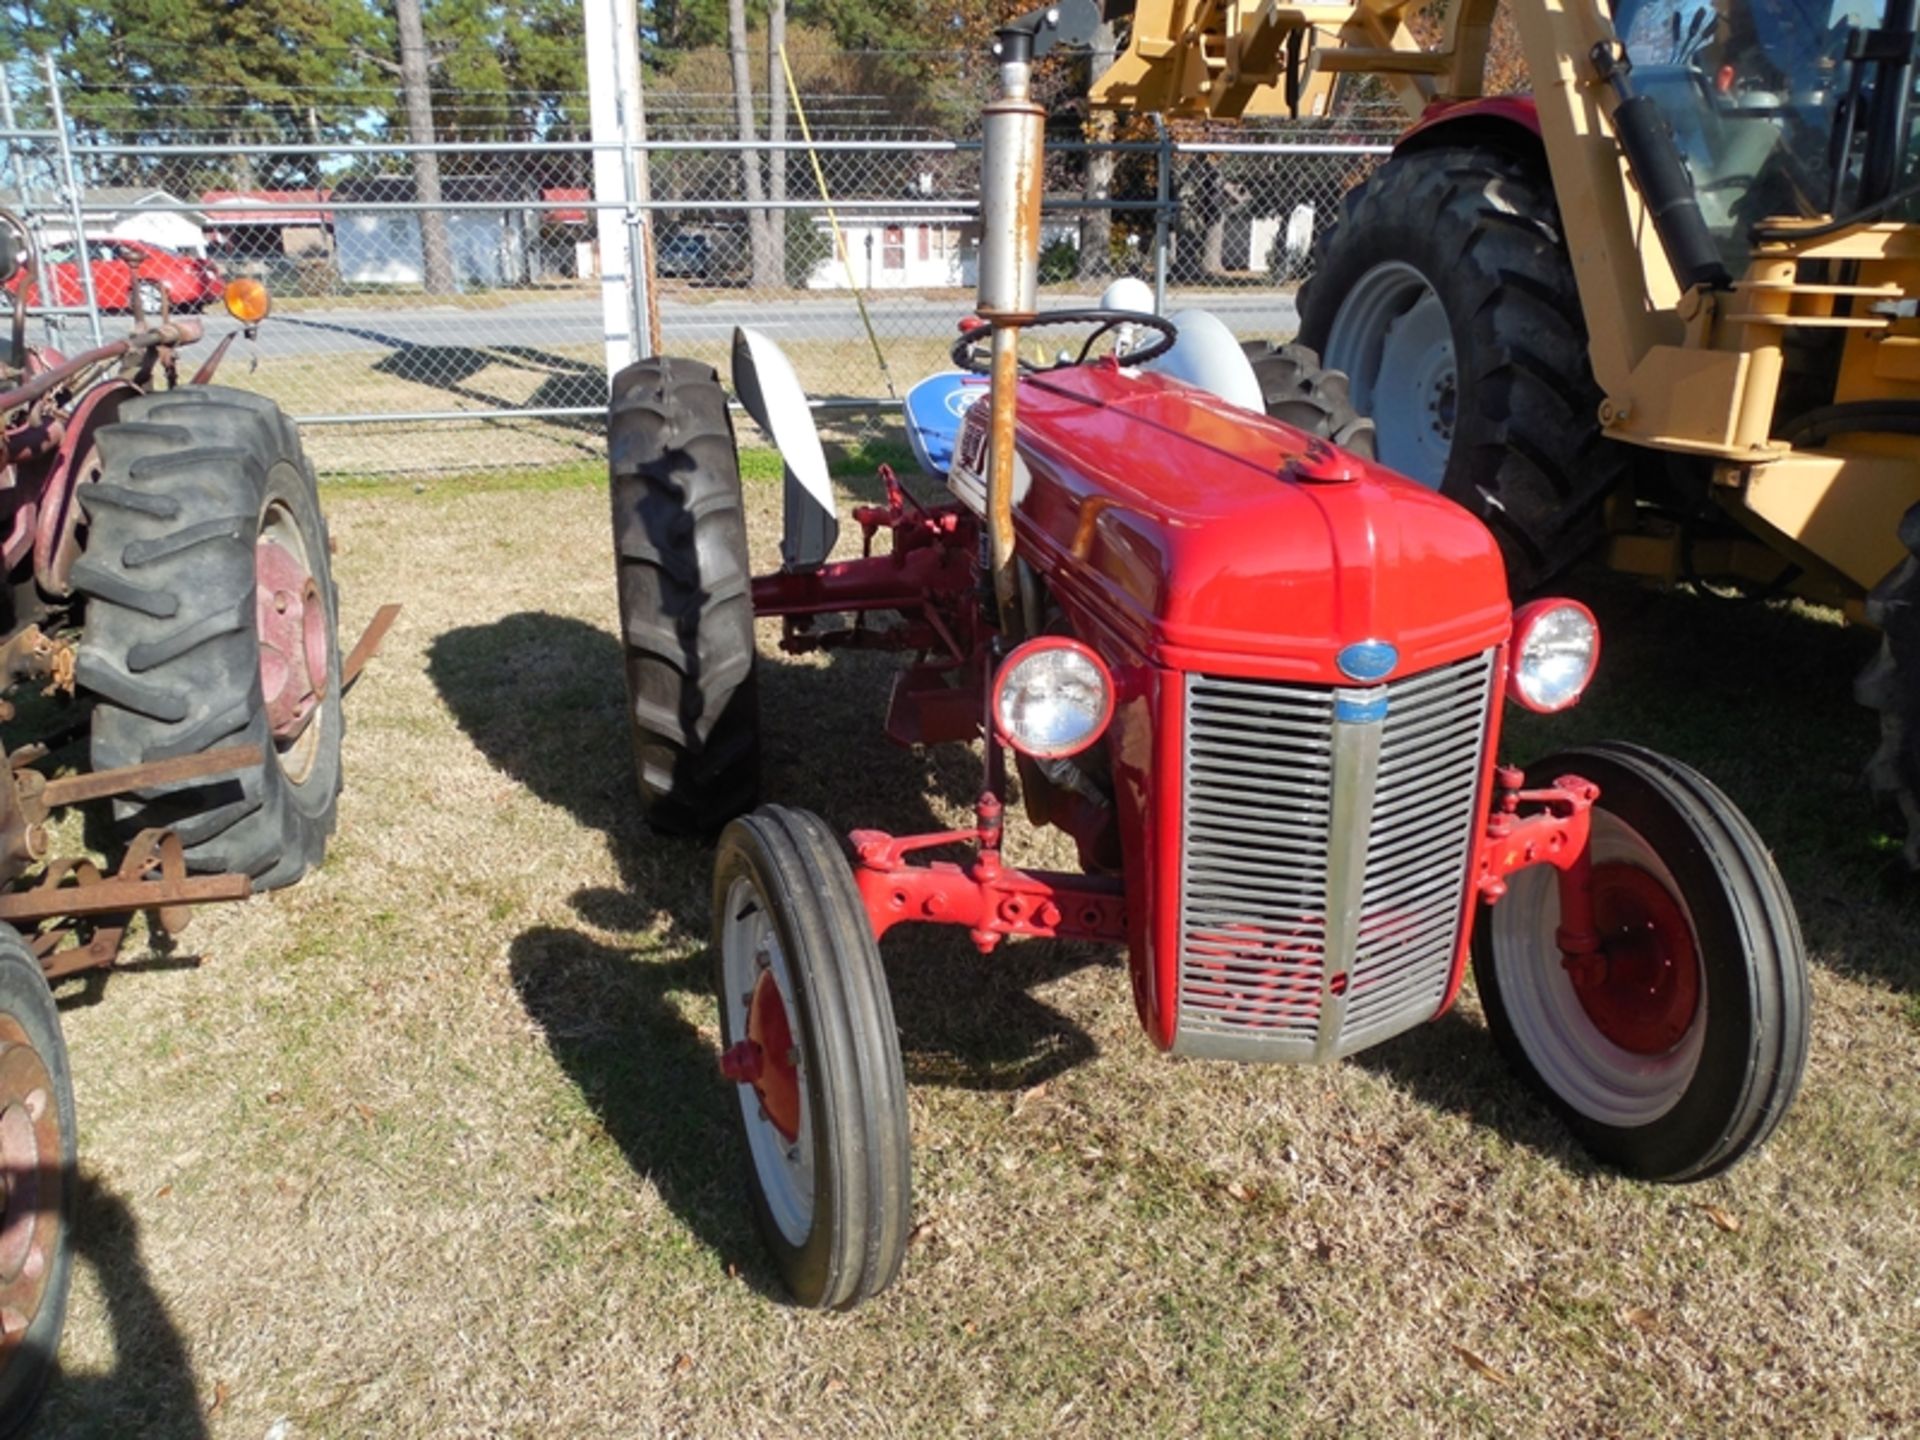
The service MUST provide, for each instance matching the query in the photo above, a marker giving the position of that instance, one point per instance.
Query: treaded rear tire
(171, 642)
(1481, 227)
(1299, 391)
(1753, 983)
(686, 595)
(1890, 684)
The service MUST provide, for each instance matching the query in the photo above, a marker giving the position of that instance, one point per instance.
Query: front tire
(686, 596)
(37, 1154)
(1680, 1053)
(212, 621)
(1445, 292)
(809, 1039)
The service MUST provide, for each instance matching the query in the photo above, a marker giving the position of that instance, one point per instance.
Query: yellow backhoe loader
(1664, 304)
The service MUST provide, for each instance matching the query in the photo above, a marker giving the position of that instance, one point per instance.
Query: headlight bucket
(1556, 645)
(1052, 698)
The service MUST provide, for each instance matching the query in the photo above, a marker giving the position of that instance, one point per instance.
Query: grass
(433, 1144)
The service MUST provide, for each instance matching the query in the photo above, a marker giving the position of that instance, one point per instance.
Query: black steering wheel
(970, 351)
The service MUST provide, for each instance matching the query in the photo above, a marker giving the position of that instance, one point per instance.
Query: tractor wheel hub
(1643, 989)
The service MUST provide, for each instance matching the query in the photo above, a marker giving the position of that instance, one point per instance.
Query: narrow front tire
(1679, 1052)
(809, 1043)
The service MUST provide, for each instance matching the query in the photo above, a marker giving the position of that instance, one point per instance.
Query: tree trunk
(436, 253)
(751, 187)
(1096, 226)
(777, 133)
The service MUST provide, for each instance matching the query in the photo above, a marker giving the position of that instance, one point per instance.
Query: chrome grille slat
(1261, 955)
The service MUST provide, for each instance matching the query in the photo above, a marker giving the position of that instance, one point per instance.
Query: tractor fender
(59, 512)
(1509, 123)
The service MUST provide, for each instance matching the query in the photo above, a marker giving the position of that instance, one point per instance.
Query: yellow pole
(833, 222)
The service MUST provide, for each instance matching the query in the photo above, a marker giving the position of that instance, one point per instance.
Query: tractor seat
(764, 381)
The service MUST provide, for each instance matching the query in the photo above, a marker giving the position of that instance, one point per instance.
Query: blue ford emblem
(1367, 660)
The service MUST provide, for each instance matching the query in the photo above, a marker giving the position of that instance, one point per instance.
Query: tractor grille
(1325, 845)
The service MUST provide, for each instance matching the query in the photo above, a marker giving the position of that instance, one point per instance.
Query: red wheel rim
(295, 638)
(30, 1185)
(771, 1034)
(1643, 990)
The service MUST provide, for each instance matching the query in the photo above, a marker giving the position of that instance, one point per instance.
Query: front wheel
(1678, 1049)
(37, 1151)
(809, 1042)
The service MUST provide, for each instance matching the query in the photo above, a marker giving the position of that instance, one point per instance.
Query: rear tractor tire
(686, 596)
(212, 621)
(1445, 293)
(808, 1037)
(37, 1150)
(1891, 685)
(1679, 1051)
(1305, 394)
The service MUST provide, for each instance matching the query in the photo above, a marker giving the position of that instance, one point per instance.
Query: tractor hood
(1206, 537)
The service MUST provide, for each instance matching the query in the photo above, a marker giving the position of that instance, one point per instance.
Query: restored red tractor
(1258, 679)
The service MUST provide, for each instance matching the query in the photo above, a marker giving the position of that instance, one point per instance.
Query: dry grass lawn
(434, 1145)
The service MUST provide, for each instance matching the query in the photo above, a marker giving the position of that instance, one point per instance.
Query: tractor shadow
(542, 697)
(1451, 1065)
(150, 1391)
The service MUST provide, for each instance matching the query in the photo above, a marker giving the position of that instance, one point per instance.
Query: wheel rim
(30, 1185)
(295, 641)
(767, 1062)
(1618, 1037)
(1392, 339)
(152, 298)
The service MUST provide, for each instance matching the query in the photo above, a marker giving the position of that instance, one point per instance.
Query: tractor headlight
(1556, 644)
(1052, 698)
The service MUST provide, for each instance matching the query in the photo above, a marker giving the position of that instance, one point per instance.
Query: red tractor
(1255, 676)
(169, 627)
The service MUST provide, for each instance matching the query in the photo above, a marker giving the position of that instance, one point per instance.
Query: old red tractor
(169, 630)
(1257, 678)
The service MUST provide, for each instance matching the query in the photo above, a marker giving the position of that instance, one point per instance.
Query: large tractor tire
(1445, 294)
(1891, 685)
(212, 621)
(686, 596)
(1305, 394)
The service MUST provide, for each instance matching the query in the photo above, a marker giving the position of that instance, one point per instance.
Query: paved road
(577, 322)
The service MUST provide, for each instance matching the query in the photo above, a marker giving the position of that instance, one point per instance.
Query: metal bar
(223, 210)
(71, 180)
(78, 789)
(558, 412)
(368, 645)
(1163, 210)
(118, 897)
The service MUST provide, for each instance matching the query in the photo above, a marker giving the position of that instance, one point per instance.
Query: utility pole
(436, 253)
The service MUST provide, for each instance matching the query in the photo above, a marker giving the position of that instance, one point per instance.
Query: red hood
(1194, 531)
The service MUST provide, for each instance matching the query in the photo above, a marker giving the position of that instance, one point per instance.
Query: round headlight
(1556, 644)
(1053, 698)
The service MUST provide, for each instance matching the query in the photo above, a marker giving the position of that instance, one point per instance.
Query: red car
(190, 283)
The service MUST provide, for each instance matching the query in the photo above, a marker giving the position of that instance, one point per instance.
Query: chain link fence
(475, 331)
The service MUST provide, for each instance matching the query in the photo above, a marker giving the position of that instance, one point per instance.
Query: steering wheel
(970, 350)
